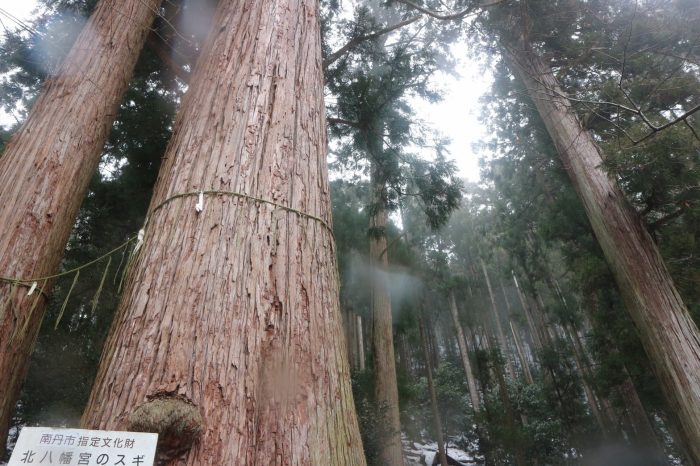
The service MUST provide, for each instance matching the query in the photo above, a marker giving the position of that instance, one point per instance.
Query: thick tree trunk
(46, 169)
(386, 390)
(668, 333)
(464, 353)
(233, 312)
(433, 395)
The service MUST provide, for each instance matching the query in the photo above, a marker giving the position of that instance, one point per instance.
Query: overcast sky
(456, 117)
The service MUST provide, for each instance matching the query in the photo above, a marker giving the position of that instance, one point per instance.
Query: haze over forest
(353, 232)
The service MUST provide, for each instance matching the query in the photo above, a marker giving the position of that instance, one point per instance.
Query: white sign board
(77, 447)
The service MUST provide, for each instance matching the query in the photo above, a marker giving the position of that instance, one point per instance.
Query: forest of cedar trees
(231, 223)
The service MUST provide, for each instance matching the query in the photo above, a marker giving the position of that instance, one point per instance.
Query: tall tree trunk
(518, 450)
(534, 331)
(233, 312)
(607, 412)
(516, 339)
(46, 169)
(642, 431)
(521, 354)
(386, 390)
(360, 344)
(433, 396)
(350, 328)
(502, 342)
(464, 353)
(582, 366)
(668, 333)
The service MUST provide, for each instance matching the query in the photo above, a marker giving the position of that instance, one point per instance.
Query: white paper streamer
(139, 239)
(200, 203)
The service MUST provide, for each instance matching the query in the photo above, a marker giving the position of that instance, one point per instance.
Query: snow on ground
(424, 453)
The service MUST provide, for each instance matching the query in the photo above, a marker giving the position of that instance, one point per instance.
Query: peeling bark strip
(236, 307)
(47, 167)
(668, 333)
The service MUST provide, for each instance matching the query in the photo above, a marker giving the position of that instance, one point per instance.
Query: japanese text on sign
(48, 446)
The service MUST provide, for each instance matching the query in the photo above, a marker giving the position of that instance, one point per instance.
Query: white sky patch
(12, 11)
(455, 117)
(21, 9)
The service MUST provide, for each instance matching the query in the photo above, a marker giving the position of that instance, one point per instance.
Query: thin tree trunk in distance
(519, 453)
(233, 312)
(464, 353)
(521, 354)
(668, 333)
(516, 339)
(502, 342)
(643, 432)
(534, 332)
(607, 412)
(360, 344)
(350, 327)
(47, 166)
(386, 390)
(590, 396)
(433, 396)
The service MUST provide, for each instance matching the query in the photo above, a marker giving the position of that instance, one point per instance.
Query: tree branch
(330, 59)
(664, 220)
(342, 121)
(449, 16)
(683, 118)
(636, 110)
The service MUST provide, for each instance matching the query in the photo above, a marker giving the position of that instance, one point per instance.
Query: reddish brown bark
(668, 333)
(386, 389)
(47, 166)
(235, 309)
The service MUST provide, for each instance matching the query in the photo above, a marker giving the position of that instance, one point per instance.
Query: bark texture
(669, 335)
(46, 169)
(235, 308)
(386, 390)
